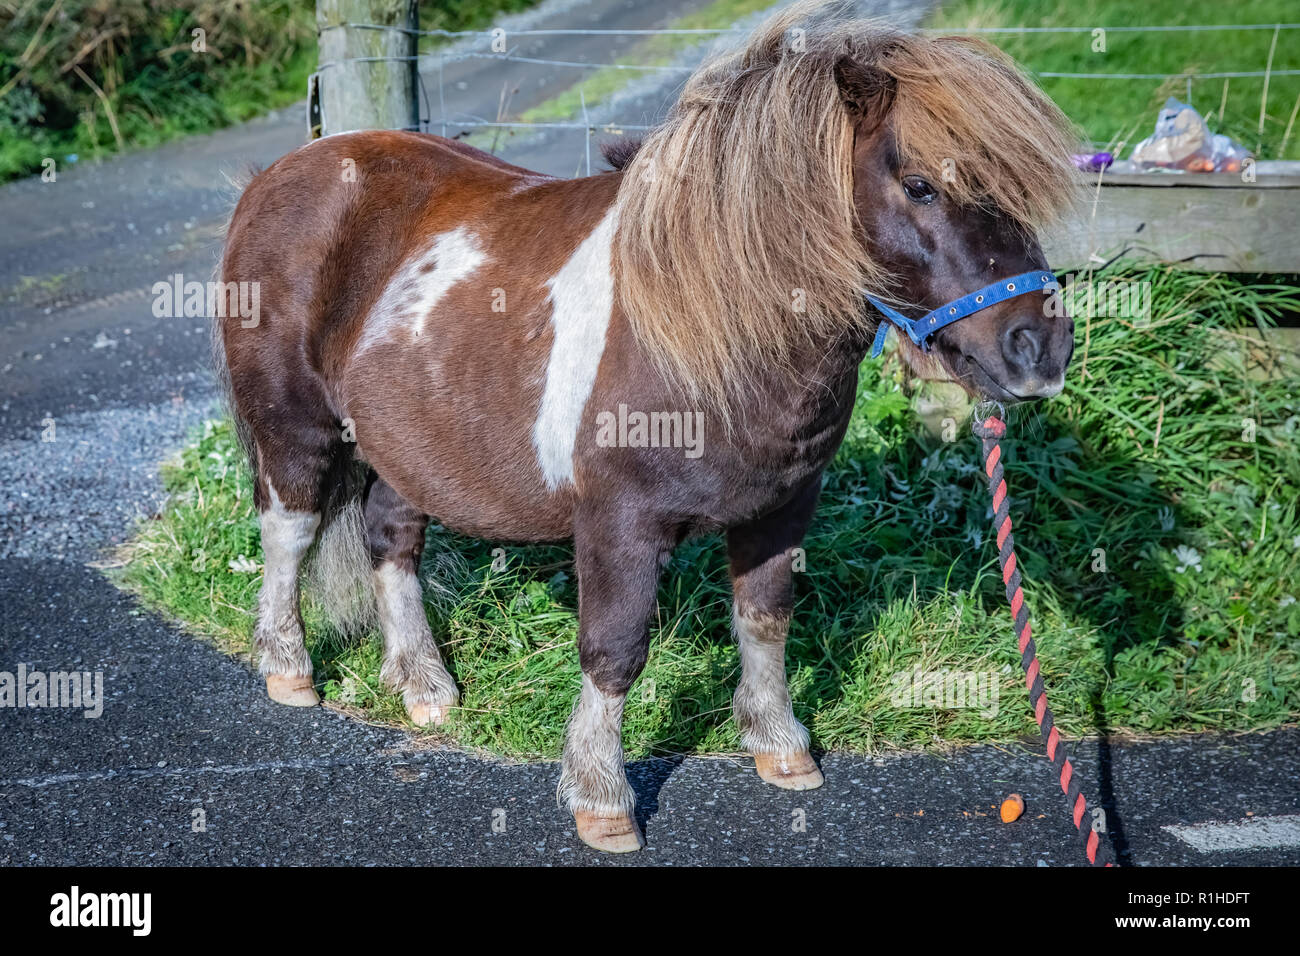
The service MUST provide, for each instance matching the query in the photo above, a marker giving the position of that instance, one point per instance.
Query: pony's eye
(919, 191)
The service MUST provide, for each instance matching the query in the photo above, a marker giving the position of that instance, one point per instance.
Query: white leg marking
(582, 297)
(419, 284)
(412, 663)
(592, 776)
(286, 536)
(761, 704)
(1260, 833)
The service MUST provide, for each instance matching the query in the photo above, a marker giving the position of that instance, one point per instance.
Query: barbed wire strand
(1168, 28)
(613, 127)
(512, 58)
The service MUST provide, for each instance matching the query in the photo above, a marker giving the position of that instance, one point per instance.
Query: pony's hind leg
(295, 446)
(759, 553)
(287, 533)
(412, 664)
(618, 574)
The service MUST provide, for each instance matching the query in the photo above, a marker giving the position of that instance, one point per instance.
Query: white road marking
(268, 766)
(419, 284)
(582, 297)
(1257, 833)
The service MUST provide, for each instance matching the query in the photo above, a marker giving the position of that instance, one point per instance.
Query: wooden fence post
(368, 93)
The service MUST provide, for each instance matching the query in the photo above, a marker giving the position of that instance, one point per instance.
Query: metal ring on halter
(984, 409)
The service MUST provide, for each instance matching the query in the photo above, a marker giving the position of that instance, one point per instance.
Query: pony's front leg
(760, 558)
(618, 576)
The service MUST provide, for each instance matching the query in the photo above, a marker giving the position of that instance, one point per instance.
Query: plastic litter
(1182, 140)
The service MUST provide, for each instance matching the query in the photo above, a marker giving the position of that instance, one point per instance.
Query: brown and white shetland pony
(477, 328)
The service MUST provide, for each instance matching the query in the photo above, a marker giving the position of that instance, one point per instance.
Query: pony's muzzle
(1036, 352)
(1023, 345)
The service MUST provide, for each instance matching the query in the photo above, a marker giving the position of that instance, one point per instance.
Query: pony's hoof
(293, 691)
(428, 715)
(789, 772)
(618, 834)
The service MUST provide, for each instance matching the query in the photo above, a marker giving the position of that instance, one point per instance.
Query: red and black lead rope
(990, 431)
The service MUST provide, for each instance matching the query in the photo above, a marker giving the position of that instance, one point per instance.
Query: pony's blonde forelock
(738, 241)
(968, 117)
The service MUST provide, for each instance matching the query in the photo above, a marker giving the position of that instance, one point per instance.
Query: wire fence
(439, 59)
(1165, 28)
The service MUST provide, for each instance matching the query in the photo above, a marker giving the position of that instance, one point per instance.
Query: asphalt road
(85, 363)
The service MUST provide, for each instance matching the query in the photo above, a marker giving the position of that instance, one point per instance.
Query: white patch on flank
(582, 297)
(1260, 833)
(420, 284)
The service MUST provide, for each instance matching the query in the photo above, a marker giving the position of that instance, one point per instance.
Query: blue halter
(920, 330)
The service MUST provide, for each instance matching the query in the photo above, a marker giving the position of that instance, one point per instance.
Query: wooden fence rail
(1210, 220)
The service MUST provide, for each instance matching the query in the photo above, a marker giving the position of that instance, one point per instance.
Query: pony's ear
(867, 92)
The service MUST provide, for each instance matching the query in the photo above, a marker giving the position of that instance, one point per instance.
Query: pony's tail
(340, 578)
(235, 185)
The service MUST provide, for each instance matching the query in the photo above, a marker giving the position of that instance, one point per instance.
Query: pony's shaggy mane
(738, 241)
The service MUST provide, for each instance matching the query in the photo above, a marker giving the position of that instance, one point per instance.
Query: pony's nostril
(1022, 346)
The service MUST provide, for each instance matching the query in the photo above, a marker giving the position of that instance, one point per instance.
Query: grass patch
(91, 79)
(1148, 455)
(1111, 111)
(95, 78)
